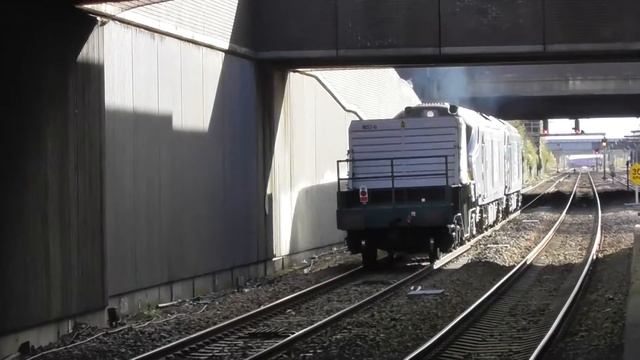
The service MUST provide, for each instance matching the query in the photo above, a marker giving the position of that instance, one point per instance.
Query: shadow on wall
(185, 191)
(180, 203)
(51, 243)
(315, 214)
(312, 136)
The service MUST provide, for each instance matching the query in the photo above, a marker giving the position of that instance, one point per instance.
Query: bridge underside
(556, 106)
(331, 33)
(356, 32)
(534, 91)
(437, 31)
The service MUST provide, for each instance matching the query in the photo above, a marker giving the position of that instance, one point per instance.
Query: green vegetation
(548, 160)
(530, 155)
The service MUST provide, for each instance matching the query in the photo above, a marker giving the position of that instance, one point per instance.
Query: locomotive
(428, 179)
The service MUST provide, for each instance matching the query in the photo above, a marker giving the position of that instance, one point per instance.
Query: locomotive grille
(414, 152)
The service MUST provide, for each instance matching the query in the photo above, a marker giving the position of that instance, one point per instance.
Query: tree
(532, 158)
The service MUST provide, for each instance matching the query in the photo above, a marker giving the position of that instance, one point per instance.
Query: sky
(613, 127)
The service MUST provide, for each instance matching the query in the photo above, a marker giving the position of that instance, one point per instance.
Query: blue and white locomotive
(427, 180)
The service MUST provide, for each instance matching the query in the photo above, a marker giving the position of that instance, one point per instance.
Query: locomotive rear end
(404, 186)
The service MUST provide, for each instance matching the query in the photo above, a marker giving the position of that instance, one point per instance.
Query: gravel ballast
(513, 324)
(158, 327)
(595, 329)
(463, 282)
(257, 335)
(395, 326)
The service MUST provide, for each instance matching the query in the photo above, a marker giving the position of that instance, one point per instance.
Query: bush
(530, 154)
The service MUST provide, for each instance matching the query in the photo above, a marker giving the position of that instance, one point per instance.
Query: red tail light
(364, 195)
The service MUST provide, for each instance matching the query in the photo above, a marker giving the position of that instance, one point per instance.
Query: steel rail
(499, 289)
(381, 295)
(596, 243)
(276, 348)
(529, 188)
(490, 295)
(543, 193)
(195, 338)
(237, 321)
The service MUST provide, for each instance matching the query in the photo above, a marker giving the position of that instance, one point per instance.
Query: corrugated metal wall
(180, 127)
(312, 134)
(51, 243)
(184, 157)
(183, 160)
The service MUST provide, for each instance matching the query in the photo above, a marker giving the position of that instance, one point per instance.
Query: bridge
(294, 34)
(539, 91)
(565, 146)
(575, 144)
(332, 32)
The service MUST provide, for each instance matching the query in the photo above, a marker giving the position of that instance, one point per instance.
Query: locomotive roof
(470, 117)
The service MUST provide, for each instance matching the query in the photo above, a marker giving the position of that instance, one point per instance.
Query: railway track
(522, 313)
(271, 329)
(553, 178)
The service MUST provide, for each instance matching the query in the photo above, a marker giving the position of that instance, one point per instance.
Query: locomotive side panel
(513, 160)
(486, 156)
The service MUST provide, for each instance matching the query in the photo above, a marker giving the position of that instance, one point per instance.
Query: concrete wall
(51, 242)
(332, 28)
(406, 28)
(596, 24)
(183, 160)
(477, 26)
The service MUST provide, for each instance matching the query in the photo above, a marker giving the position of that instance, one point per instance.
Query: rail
(202, 336)
(282, 345)
(242, 319)
(593, 253)
(454, 329)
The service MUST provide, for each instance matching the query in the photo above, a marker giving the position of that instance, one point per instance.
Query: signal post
(634, 177)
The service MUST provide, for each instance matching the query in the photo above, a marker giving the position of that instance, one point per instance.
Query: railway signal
(603, 143)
